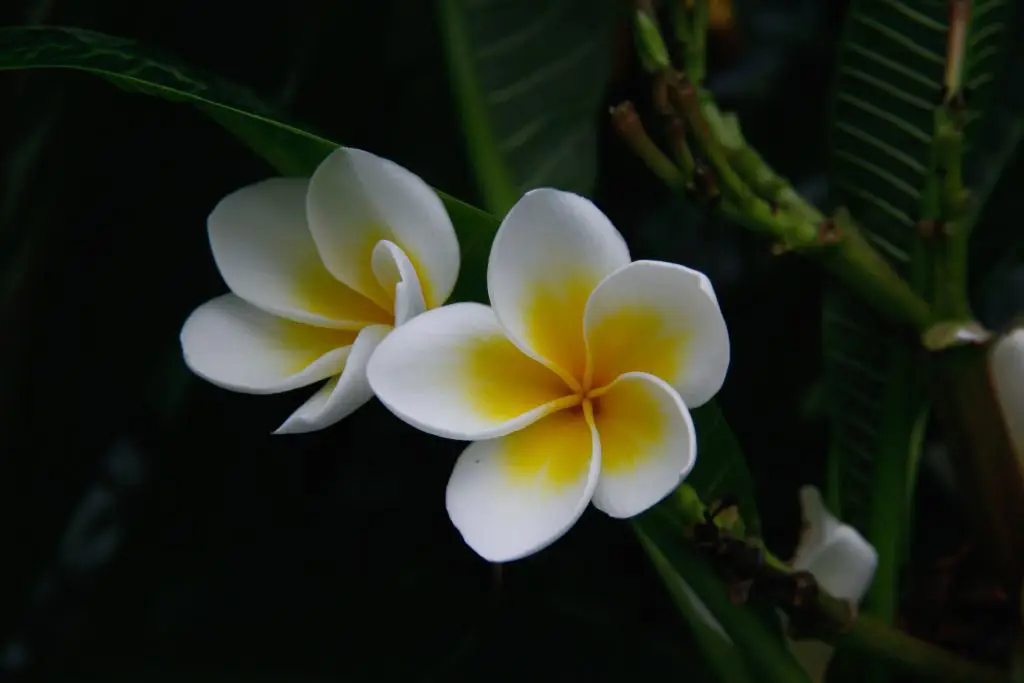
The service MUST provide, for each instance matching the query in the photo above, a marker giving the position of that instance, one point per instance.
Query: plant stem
(770, 662)
(834, 619)
(914, 657)
(989, 472)
(721, 653)
(786, 216)
(949, 240)
(853, 260)
(904, 416)
(629, 127)
(696, 62)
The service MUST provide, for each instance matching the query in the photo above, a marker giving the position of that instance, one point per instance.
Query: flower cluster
(574, 386)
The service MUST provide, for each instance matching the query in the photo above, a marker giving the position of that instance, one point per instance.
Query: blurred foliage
(156, 532)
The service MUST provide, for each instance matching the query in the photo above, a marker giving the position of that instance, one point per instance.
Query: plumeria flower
(320, 271)
(841, 561)
(1006, 369)
(574, 385)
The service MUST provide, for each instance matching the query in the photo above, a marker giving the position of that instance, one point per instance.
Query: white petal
(662, 319)
(548, 255)
(839, 558)
(266, 255)
(1006, 363)
(647, 444)
(357, 199)
(235, 345)
(512, 496)
(397, 276)
(452, 372)
(341, 395)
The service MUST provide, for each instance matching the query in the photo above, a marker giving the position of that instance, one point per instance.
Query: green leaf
(887, 87)
(529, 79)
(994, 147)
(722, 655)
(867, 369)
(721, 469)
(888, 83)
(290, 149)
(755, 641)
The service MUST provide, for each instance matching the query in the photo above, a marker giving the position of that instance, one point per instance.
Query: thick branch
(831, 619)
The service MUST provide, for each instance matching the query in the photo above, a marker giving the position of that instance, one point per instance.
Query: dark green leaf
(891, 68)
(720, 470)
(888, 83)
(994, 147)
(721, 653)
(889, 80)
(290, 149)
(529, 78)
(863, 379)
(720, 467)
(755, 640)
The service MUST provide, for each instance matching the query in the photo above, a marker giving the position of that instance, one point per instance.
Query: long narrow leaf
(290, 149)
(529, 79)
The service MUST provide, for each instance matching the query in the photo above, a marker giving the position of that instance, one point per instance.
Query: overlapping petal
(397, 277)
(231, 343)
(452, 372)
(512, 496)
(266, 255)
(356, 199)
(550, 252)
(648, 444)
(343, 394)
(662, 319)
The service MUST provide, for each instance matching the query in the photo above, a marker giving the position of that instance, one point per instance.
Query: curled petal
(356, 199)
(512, 496)
(550, 252)
(397, 277)
(341, 395)
(839, 558)
(452, 372)
(662, 319)
(648, 444)
(266, 255)
(235, 345)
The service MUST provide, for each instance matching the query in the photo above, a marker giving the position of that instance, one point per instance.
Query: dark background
(151, 528)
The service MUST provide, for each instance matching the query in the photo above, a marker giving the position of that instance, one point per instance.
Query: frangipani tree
(433, 286)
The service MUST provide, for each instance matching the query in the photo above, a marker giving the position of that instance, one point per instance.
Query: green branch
(758, 198)
(914, 657)
(831, 619)
(989, 471)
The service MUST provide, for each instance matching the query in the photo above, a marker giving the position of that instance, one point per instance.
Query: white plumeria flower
(574, 386)
(1006, 369)
(320, 271)
(840, 560)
